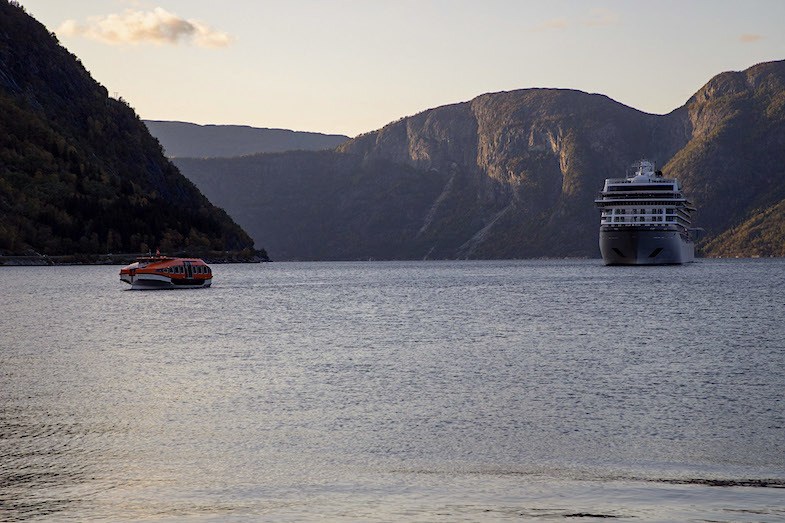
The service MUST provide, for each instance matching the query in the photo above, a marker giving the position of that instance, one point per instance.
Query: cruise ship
(645, 219)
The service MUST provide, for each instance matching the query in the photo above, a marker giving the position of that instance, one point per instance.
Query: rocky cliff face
(514, 174)
(524, 165)
(732, 166)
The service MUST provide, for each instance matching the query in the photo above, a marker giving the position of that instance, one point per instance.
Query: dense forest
(79, 171)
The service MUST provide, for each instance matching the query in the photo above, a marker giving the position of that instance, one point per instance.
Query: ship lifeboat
(164, 272)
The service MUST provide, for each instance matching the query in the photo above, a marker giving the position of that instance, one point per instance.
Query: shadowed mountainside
(181, 139)
(326, 206)
(514, 174)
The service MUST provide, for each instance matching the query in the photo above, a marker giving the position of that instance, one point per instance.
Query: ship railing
(639, 223)
(628, 179)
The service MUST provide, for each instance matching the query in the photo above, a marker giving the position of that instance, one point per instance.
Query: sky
(352, 66)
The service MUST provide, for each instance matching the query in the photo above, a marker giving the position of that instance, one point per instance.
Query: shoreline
(218, 258)
(124, 259)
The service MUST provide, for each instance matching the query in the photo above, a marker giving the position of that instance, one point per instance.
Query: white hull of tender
(149, 282)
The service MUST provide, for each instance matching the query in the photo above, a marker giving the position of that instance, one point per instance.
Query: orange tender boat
(165, 272)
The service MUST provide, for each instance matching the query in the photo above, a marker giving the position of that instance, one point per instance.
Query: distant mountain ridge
(183, 139)
(79, 172)
(514, 175)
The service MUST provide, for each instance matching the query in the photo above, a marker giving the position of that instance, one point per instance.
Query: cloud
(158, 26)
(749, 38)
(602, 17)
(556, 24)
(595, 18)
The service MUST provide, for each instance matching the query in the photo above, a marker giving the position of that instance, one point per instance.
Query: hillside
(182, 139)
(517, 173)
(327, 206)
(759, 235)
(734, 164)
(79, 172)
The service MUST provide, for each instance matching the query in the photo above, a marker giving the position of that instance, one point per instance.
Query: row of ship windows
(180, 269)
(642, 199)
(643, 211)
(624, 219)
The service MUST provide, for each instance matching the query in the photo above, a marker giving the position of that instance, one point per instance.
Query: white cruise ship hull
(632, 246)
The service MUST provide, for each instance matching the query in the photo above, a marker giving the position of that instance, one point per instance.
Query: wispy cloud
(595, 18)
(601, 17)
(554, 24)
(748, 38)
(158, 26)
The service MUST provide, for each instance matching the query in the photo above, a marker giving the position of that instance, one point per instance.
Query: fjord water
(397, 391)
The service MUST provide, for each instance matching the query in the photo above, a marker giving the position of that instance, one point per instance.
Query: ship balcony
(639, 219)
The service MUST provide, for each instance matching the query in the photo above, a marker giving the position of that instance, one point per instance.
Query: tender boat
(166, 272)
(645, 219)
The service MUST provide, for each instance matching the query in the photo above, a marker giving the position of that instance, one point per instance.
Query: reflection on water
(429, 391)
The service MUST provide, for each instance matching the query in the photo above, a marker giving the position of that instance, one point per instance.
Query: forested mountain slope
(79, 172)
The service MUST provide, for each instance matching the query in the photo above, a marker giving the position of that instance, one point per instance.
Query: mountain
(202, 141)
(514, 175)
(323, 205)
(734, 163)
(79, 172)
(488, 176)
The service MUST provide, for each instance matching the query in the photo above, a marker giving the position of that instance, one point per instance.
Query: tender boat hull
(645, 247)
(153, 282)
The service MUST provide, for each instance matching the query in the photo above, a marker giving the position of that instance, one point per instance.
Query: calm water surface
(418, 391)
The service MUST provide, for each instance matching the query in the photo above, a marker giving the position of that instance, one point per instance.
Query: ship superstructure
(646, 219)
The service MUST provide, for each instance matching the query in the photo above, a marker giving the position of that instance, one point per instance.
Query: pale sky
(352, 66)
